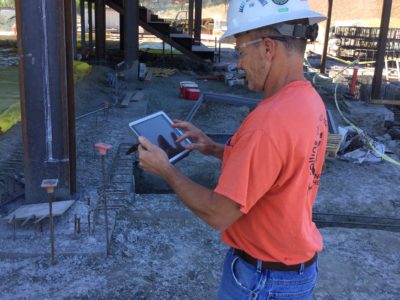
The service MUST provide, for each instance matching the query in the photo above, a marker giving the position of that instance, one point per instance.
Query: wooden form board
(385, 102)
(138, 96)
(126, 100)
(333, 145)
(39, 211)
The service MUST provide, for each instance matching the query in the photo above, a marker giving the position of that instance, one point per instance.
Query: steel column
(121, 32)
(83, 28)
(100, 24)
(197, 20)
(74, 28)
(191, 6)
(90, 20)
(327, 30)
(43, 92)
(131, 15)
(380, 59)
(70, 96)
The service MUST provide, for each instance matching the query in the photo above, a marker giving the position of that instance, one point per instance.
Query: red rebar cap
(49, 185)
(102, 147)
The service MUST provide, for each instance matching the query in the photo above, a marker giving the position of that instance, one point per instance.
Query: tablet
(157, 128)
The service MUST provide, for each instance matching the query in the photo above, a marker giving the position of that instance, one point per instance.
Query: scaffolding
(362, 43)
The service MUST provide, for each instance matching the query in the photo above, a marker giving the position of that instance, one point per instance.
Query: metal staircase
(183, 42)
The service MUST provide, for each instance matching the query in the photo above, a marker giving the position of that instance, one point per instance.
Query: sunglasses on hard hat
(239, 48)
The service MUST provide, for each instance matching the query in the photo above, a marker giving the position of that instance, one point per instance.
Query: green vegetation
(7, 3)
(10, 113)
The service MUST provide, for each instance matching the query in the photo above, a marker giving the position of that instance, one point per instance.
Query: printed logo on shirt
(313, 158)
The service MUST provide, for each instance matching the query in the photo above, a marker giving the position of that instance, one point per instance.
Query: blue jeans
(241, 280)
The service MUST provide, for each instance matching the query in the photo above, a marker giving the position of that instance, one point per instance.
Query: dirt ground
(159, 249)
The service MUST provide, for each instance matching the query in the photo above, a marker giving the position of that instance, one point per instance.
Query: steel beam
(100, 24)
(191, 7)
(90, 20)
(83, 28)
(220, 98)
(229, 99)
(380, 59)
(197, 20)
(43, 93)
(327, 31)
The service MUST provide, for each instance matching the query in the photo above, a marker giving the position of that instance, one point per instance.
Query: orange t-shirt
(272, 168)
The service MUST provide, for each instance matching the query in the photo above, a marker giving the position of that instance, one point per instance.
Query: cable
(365, 137)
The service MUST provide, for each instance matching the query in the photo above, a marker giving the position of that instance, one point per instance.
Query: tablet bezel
(178, 156)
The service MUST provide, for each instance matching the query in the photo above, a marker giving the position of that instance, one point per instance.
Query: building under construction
(80, 219)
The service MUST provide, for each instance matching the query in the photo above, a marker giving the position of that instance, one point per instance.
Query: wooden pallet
(333, 145)
(163, 72)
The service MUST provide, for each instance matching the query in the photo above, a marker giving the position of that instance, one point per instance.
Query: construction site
(79, 218)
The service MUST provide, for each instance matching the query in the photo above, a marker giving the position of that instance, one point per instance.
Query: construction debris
(39, 211)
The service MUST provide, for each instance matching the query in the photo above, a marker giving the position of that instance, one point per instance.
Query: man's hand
(200, 141)
(152, 158)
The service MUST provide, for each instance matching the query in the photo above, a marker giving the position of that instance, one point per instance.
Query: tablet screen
(158, 130)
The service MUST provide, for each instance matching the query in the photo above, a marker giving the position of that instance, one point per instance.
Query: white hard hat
(246, 15)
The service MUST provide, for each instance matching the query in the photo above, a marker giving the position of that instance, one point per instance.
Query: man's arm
(214, 209)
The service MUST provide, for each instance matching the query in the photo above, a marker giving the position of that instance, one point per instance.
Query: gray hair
(293, 45)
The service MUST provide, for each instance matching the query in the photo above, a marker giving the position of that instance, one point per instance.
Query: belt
(274, 266)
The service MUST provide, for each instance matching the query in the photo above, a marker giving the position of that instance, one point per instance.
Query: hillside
(361, 12)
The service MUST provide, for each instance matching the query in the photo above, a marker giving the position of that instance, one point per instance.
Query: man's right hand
(200, 141)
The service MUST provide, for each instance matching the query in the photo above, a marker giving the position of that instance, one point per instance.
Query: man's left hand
(152, 158)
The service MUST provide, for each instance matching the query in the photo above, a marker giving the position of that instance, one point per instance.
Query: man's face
(252, 61)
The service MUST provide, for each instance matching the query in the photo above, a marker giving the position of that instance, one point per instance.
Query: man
(271, 167)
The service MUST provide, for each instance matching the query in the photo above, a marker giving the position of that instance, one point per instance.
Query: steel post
(83, 28)
(74, 29)
(52, 248)
(197, 20)
(90, 20)
(326, 40)
(380, 59)
(104, 196)
(191, 6)
(100, 28)
(71, 98)
(43, 92)
(49, 185)
(121, 32)
(131, 45)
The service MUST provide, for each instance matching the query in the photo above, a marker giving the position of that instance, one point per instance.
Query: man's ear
(270, 48)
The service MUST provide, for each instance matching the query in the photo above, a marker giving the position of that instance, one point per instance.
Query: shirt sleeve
(250, 167)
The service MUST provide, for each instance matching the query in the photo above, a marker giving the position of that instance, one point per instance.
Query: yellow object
(81, 69)
(12, 114)
(10, 117)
